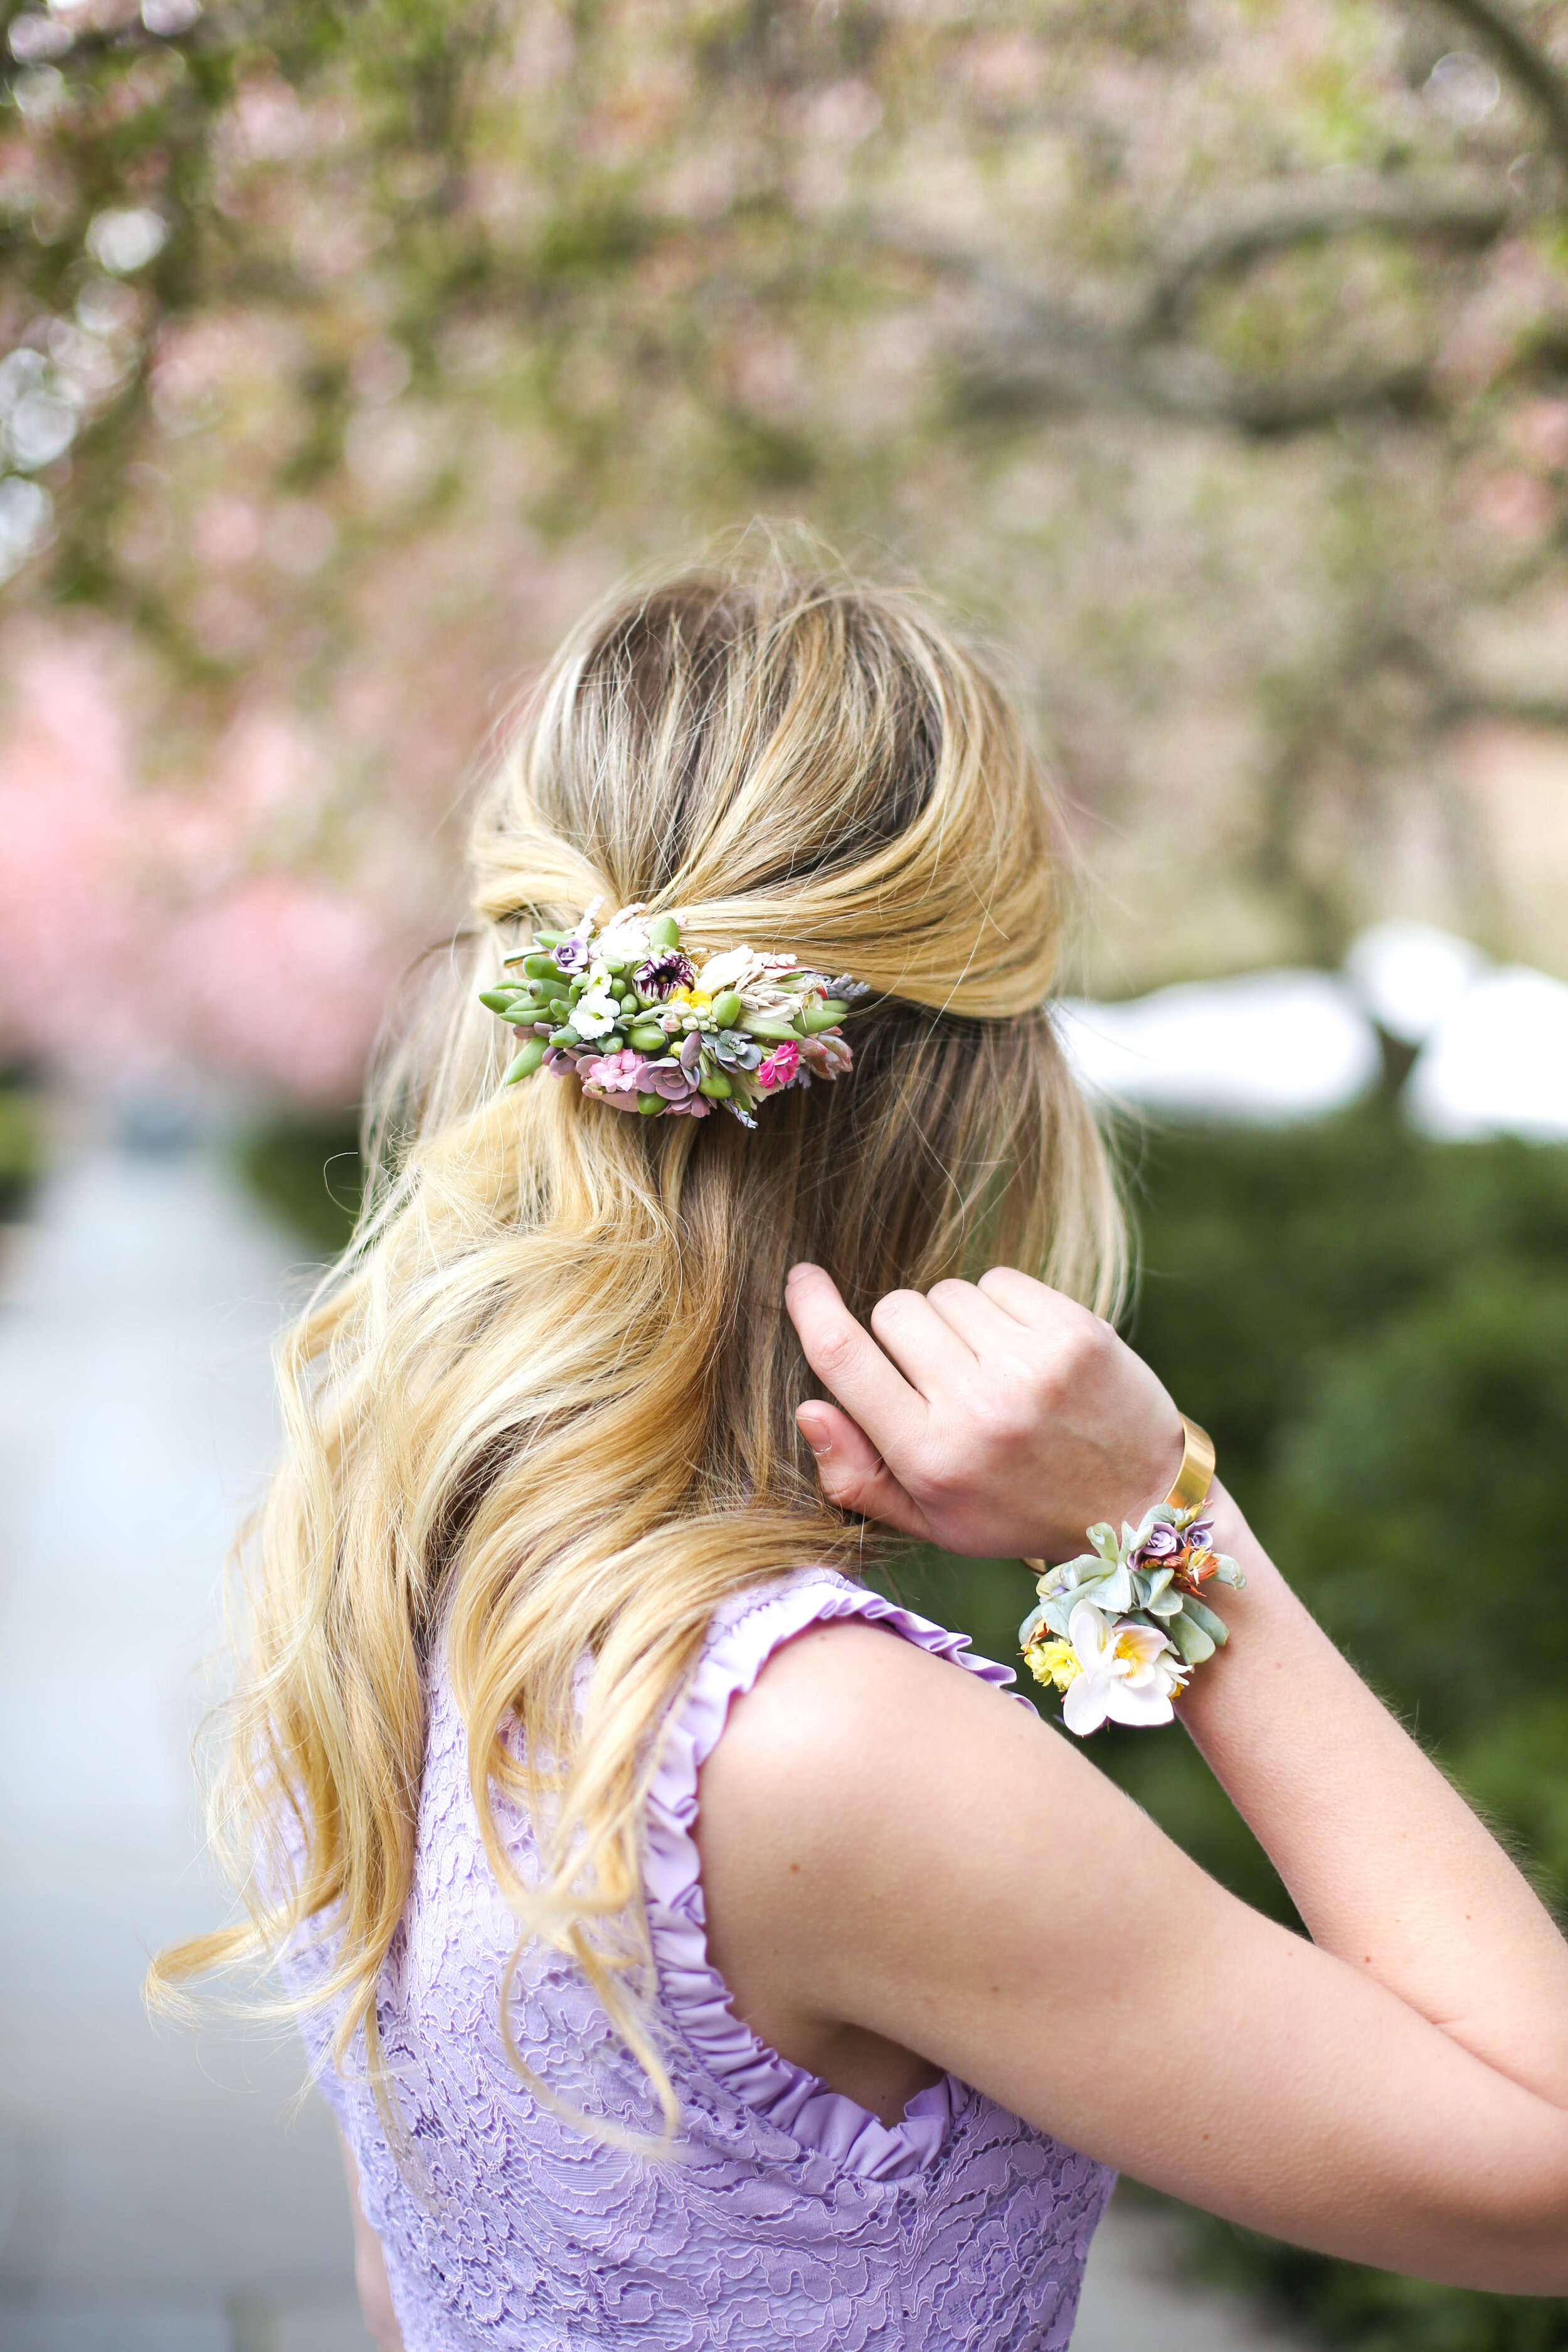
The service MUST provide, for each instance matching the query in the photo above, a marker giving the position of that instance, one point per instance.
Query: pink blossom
(781, 1066)
(616, 1078)
(828, 1055)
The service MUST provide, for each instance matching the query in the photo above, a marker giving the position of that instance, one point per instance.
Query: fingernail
(819, 1444)
(796, 1271)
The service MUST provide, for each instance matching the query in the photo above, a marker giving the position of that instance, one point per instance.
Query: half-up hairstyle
(543, 1409)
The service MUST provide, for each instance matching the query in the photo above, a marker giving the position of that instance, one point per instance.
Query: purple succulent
(572, 957)
(671, 1080)
(664, 972)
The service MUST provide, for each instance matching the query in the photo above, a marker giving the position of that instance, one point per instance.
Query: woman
(692, 1951)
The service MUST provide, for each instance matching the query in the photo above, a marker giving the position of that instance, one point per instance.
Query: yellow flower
(1053, 1661)
(692, 998)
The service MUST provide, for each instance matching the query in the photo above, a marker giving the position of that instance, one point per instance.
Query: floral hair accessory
(646, 1025)
(1119, 1630)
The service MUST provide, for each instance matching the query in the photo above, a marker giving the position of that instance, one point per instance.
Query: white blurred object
(1497, 1065)
(1410, 976)
(1268, 1047)
(126, 238)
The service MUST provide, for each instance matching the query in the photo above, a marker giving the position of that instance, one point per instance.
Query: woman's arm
(370, 2264)
(1386, 1864)
(892, 1848)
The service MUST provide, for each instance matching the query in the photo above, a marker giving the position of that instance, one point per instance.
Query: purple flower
(663, 973)
(572, 957)
(1160, 1543)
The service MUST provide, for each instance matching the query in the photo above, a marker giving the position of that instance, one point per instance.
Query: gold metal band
(1196, 1476)
(1192, 1480)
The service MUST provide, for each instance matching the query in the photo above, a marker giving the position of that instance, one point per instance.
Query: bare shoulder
(849, 1713)
(861, 1772)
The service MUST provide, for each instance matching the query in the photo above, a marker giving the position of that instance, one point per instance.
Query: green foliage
(21, 1148)
(306, 1171)
(1375, 1331)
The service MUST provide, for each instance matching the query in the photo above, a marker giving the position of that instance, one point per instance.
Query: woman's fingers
(1034, 1304)
(847, 1359)
(853, 1473)
(932, 1352)
(984, 1327)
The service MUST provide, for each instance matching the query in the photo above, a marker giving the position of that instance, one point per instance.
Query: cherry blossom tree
(1213, 356)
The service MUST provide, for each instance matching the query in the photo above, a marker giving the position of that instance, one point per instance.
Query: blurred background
(1213, 356)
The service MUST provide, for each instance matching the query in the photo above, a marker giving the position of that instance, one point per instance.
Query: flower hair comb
(643, 1026)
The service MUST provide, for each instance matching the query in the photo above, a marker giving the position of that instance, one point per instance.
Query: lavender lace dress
(788, 2216)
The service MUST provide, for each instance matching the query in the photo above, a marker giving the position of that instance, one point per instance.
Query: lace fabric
(785, 2215)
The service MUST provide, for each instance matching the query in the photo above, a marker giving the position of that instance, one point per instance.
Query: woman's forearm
(1386, 1864)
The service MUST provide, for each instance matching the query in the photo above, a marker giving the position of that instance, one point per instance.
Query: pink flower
(829, 1055)
(782, 1067)
(618, 1074)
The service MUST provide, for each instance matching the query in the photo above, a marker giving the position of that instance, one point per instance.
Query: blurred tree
(1216, 353)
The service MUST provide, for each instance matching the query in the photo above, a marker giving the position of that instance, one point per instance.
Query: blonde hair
(543, 1408)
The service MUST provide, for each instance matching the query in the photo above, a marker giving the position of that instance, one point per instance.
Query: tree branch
(1519, 709)
(1226, 237)
(1529, 64)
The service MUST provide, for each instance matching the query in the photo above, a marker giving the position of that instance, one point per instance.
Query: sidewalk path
(159, 2191)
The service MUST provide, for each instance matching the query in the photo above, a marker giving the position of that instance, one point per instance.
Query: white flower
(1126, 1672)
(622, 942)
(729, 969)
(594, 1014)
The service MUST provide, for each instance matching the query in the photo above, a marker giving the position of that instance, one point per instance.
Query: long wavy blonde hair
(543, 1408)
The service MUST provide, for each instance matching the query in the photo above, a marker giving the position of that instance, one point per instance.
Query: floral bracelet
(1119, 1630)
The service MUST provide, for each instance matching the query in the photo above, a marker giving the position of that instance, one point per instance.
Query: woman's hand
(992, 1419)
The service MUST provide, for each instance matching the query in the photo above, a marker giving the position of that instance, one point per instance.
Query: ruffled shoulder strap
(745, 1631)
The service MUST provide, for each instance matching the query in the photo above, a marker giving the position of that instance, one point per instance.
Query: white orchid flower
(1127, 1673)
(594, 1014)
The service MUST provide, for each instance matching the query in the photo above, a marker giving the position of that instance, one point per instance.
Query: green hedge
(305, 1171)
(21, 1146)
(1375, 1330)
